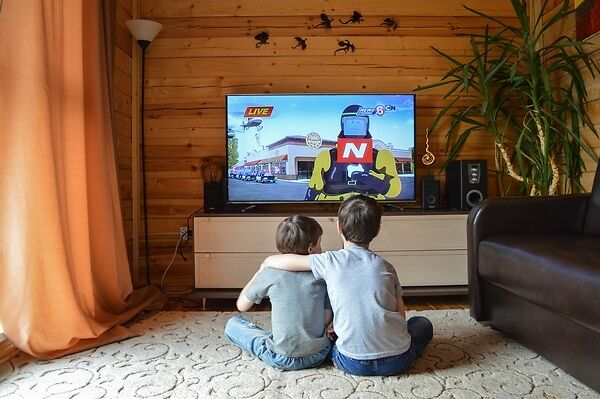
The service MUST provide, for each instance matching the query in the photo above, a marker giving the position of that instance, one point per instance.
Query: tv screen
(320, 147)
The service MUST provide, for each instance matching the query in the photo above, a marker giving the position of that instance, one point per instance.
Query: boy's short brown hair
(296, 233)
(359, 217)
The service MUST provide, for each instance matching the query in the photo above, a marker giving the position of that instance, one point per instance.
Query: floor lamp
(144, 31)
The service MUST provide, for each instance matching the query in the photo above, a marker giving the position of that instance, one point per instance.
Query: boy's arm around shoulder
(290, 262)
(243, 303)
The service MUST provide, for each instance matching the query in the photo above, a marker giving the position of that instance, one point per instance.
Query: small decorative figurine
(345, 46)
(356, 18)
(262, 38)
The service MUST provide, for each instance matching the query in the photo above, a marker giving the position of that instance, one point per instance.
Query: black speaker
(466, 183)
(213, 196)
(430, 193)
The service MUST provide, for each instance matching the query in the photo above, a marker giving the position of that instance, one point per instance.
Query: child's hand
(331, 332)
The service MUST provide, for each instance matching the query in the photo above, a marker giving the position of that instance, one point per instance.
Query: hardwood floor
(228, 304)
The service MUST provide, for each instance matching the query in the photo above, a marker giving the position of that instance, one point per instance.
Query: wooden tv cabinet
(428, 250)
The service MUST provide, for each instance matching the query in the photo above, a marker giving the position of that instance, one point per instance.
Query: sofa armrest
(518, 216)
(562, 214)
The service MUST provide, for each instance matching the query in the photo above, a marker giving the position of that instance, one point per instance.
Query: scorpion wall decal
(325, 22)
(390, 23)
(262, 38)
(356, 18)
(301, 43)
(345, 46)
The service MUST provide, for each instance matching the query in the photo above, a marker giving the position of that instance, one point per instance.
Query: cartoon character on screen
(354, 166)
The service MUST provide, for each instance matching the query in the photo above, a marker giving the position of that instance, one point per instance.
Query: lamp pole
(144, 32)
(144, 45)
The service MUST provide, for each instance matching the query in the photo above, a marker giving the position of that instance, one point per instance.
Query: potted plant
(528, 92)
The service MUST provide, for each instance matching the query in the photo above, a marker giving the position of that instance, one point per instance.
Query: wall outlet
(183, 233)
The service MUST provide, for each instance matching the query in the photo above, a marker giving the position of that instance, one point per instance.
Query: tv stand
(428, 249)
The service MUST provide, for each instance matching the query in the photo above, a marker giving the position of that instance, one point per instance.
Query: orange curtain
(65, 283)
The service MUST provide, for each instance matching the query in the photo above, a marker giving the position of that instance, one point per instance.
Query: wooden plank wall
(567, 27)
(123, 111)
(593, 87)
(207, 49)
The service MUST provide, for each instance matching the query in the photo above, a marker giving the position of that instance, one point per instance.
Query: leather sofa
(534, 274)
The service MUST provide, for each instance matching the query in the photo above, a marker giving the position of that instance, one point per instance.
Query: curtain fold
(65, 283)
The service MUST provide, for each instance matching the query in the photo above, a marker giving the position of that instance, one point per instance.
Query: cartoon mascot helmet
(353, 123)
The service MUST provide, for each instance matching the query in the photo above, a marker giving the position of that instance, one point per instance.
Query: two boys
(373, 336)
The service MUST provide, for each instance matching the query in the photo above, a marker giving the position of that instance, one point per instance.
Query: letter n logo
(355, 150)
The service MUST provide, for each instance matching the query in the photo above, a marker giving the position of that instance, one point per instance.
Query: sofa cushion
(558, 272)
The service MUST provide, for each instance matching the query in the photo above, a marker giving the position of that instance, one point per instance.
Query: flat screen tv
(320, 147)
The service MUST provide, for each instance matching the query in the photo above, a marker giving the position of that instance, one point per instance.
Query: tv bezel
(225, 182)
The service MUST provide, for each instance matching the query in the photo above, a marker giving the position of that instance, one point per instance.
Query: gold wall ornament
(428, 158)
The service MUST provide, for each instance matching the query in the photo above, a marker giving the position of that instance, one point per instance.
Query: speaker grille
(430, 193)
(213, 197)
(466, 183)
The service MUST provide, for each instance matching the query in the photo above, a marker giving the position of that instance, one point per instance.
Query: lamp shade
(143, 29)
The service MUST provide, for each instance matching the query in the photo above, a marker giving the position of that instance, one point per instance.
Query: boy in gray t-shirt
(300, 310)
(374, 337)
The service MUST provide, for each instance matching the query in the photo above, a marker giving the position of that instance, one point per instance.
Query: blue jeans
(421, 332)
(252, 339)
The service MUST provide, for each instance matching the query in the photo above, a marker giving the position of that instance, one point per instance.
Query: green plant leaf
(466, 78)
(518, 85)
(462, 139)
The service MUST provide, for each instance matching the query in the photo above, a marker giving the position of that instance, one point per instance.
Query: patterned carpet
(184, 355)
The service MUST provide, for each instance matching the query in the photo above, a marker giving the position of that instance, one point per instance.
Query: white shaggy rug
(185, 355)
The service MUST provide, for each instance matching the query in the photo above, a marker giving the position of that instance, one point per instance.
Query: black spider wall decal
(325, 22)
(356, 18)
(345, 46)
(301, 43)
(262, 38)
(390, 23)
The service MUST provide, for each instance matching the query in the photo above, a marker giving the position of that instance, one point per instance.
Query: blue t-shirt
(363, 289)
(298, 304)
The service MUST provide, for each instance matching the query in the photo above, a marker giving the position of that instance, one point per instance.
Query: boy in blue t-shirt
(374, 337)
(300, 310)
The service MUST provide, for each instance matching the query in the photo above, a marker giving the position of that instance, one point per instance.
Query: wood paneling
(312, 8)
(296, 25)
(280, 46)
(567, 27)
(207, 49)
(593, 87)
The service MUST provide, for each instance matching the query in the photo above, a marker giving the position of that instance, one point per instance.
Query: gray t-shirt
(298, 303)
(363, 288)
